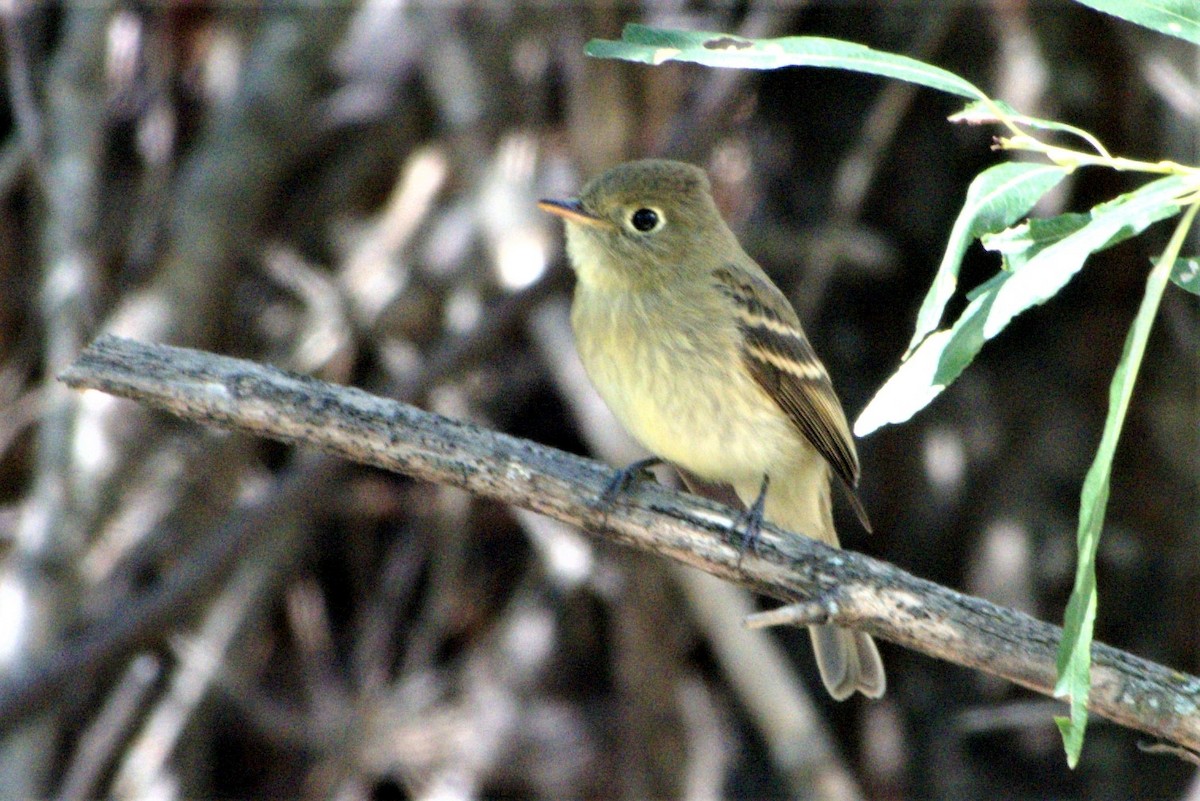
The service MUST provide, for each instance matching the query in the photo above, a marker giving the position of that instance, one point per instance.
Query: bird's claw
(751, 521)
(626, 476)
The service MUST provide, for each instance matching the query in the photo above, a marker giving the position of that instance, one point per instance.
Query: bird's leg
(752, 519)
(625, 476)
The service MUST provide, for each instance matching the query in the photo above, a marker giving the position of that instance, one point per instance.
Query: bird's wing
(779, 356)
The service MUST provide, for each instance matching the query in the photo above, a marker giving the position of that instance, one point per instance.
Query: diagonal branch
(861, 592)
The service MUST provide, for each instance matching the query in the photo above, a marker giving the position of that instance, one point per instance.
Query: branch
(858, 591)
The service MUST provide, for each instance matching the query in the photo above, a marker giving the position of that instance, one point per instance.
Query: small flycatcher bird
(704, 361)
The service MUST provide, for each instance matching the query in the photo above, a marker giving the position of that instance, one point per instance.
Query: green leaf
(654, 46)
(1074, 654)
(1041, 264)
(1045, 273)
(1186, 274)
(1017, 245)
(988, 285)
(998, 196)
(1175, 17)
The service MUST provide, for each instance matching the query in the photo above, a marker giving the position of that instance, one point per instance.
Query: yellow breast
(676, 382)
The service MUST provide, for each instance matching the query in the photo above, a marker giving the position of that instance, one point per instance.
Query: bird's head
(644, 222)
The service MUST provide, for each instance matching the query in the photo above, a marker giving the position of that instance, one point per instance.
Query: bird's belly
(703, 440)
(687, 401)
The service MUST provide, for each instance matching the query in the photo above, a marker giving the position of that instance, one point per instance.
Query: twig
(200, 660)
(51, 680)
(99, 744)
(65, 146)
(862, 592)
(21, 92)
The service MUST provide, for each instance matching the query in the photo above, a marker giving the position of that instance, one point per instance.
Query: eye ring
(644, 220)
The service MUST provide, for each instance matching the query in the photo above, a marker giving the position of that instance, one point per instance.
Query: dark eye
(645, 220)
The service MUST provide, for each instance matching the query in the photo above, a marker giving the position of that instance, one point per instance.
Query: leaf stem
(1071, 159)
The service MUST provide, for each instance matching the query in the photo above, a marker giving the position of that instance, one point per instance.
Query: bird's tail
(847, 660)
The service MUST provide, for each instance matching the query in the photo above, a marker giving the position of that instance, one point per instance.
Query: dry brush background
(347, 190)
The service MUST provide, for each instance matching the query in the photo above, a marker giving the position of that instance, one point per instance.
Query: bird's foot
(626, 476)
(751, 521)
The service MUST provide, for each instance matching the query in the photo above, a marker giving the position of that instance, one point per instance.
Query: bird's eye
(645, 220)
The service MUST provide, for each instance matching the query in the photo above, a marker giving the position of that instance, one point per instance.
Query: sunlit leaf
(996, 198)
(1019, 244)
(1175, 17)
(1045, 273)
(655, 45)
(1042, 258)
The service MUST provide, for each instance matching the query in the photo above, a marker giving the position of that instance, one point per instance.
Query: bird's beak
(572, 211)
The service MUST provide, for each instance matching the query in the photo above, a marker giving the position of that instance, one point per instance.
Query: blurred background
(347, 190)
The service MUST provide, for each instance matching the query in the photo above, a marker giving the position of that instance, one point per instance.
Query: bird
(704, 361)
